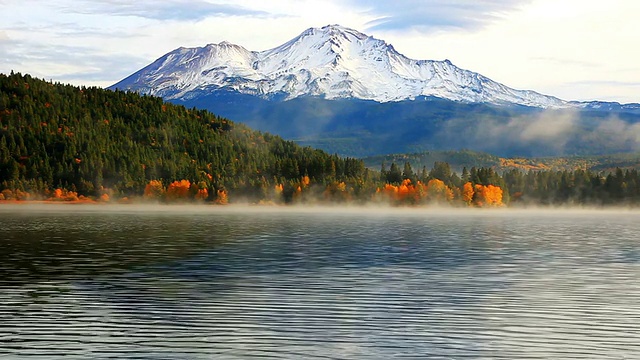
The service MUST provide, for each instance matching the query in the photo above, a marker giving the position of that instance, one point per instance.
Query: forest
(65, 143)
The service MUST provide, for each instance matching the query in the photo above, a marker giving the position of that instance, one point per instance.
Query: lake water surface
(235, 283)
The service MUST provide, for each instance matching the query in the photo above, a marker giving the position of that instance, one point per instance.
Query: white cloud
(163, 10)
(430, 15)
(548, 45)
(620, 131)
(547, 127)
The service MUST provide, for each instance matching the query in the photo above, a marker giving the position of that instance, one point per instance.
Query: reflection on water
(86, 283)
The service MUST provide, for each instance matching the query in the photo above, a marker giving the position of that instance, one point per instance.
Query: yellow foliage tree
(467, 193)
(420, 192)
(336, 191)
(438, 191)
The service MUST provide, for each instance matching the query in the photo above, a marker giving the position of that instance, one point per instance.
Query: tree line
(532, 187)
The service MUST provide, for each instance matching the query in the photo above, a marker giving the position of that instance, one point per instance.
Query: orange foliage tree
(202, 193)
(154, 190)
(408, 193)
(489, 195)
(178, 190)
(222, 198)
(16, 194)
(403, 193)
(64, 195)
(6, 194)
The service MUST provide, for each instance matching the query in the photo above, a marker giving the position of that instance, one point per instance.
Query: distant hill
(365, 128)
(457, 160)
(466, 158)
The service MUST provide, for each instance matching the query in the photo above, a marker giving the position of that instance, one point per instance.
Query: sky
(573, 49)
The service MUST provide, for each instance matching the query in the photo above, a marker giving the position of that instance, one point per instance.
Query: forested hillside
(93, 141)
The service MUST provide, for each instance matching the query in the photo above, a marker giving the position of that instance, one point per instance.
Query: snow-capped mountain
(332, 62)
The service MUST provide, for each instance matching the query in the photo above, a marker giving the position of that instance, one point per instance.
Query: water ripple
(236, 286)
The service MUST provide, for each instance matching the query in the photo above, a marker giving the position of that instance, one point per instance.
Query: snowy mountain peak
(337, 31)
(331, 62)
(333, 32)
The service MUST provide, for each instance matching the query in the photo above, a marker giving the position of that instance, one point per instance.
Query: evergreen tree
(394, 176)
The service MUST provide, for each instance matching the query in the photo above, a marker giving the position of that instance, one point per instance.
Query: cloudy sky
(573, 49)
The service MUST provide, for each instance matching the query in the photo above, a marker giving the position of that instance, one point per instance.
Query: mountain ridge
(332, 62)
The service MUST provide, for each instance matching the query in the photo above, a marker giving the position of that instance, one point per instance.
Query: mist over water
(333, 283)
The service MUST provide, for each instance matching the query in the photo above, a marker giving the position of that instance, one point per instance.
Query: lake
(100, 282)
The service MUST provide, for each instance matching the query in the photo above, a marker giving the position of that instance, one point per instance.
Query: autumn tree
(405, 192)
(202, 193)
(64, 195)
(222, 198)
(336, 191)
(438, 192)
(467, 193)
(178, 190)
(488, 196)
(154, 190)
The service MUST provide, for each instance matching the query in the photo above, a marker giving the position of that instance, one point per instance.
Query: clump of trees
(481, 188)
(181, 191)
